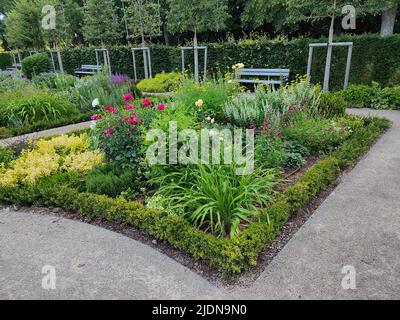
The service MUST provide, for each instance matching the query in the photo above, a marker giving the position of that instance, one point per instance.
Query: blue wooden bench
(259, 76)
(88, 69)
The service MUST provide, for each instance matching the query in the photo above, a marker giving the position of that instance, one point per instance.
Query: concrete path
(45, 133)
(357, 226)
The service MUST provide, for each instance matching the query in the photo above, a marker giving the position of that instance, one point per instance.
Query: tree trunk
(166, 34)
(388, 20)
(145, 63)
(196, 58)
(329, 52)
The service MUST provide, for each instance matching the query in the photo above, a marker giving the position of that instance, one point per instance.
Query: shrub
(11, 82)
(162, 82)
(205, 100)
(317, 134)
(57, 81)
(215, 197)
(332, 104)
(36, 64)
(112, 180)
(363, 96)
(23, 108)
(6, 156)
(395, 79)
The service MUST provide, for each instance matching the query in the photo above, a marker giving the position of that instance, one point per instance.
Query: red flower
(128, 97)
(330, 129)
(161, 107)
(111, 109)
(130, 107)
(146, 103)
(96, 117)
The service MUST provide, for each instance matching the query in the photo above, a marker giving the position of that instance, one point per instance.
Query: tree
(23, 25)
(389, 10)
(100, 22)
(197, 16)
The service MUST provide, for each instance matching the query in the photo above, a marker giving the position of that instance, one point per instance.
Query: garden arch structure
(333, 44)
(196, 67)
(146, 62)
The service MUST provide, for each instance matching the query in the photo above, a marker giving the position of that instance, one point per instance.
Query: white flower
(199, 103)
(95, 103)
(212, 120)
(230, 81)
(208, 118)
(240, 65)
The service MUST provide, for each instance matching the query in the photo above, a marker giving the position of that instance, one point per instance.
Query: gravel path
(357, 227)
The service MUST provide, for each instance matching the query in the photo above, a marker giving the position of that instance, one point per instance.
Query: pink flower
(128, 97)
(161, 107)
(96, 117)
(111, 109)
(330, 129)
(146, 103)
(130, 107)
(108, 132)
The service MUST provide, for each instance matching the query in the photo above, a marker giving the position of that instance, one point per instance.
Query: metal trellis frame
(106, 58)
(195, 48)
(59, 60)
(333, 44)
(146, 62)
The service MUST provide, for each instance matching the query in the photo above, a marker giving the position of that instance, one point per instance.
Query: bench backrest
(265, 72)
(91, 67)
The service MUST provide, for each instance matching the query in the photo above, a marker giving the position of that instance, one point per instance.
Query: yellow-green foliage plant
(162, 82)
(46, 157)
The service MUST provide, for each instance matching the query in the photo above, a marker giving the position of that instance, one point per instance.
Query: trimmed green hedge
(230, 256)
(5, 60)
(374, 58)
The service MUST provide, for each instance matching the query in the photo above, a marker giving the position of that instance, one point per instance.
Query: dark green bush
(112, 180)
(5, 60)
(36, 64)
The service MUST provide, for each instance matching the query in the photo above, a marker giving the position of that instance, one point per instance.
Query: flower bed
(225, 213)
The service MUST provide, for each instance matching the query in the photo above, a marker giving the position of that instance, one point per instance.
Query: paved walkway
(45, 133)
(358, 225)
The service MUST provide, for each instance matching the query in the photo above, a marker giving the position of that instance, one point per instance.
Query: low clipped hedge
(230, 256)
(36, 64)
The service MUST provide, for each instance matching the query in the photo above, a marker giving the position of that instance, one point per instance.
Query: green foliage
(23, 25)
(364, 96)
(142, 18)
(162, 82)
(6, 156)
(24, 108)
(57, 81)
(112, 180)
(106, 32)
(5, 60)
(214, 94)
(200, 16)
(11, 82)
(36, 64)
(395, 79)
(332, 104)
(319, 135)
(216, 197)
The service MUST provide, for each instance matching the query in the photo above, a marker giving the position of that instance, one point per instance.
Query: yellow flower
(199, 103)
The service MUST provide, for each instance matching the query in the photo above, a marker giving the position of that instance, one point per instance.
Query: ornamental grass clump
(214, 197)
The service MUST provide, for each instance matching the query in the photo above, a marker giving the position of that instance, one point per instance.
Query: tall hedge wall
(374, 58)
(5, 60)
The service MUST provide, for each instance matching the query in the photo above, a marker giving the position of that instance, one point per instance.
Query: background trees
(197, 16)
(106, 21)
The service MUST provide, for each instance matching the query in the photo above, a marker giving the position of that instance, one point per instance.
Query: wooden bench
(274, 76)
(88, 69)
